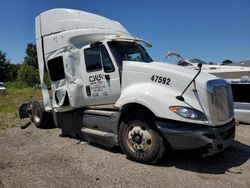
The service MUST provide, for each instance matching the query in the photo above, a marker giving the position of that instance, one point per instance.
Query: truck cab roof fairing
(69, 19)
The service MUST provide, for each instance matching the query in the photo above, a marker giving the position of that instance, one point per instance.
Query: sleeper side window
(56, 69)
(93, 59)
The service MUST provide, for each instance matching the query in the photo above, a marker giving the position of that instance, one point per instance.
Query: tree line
(26, 73)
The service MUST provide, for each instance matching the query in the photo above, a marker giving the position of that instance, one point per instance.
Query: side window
(107, 63)
(56, 69)
(93, 59)
(134, 57)
(118, 53)
(98, 57)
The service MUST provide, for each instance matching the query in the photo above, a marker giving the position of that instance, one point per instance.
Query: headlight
(189, 113)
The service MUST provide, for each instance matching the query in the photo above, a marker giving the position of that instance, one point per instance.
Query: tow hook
(26, 125)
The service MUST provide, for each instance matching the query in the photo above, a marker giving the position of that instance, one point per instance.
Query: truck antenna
(180, 97)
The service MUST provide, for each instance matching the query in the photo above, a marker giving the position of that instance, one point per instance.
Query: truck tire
(139, 139)
(39, 116)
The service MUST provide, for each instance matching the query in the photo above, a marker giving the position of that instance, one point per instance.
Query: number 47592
(160, 79)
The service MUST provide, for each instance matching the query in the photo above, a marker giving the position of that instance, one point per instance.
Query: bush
(28, 75)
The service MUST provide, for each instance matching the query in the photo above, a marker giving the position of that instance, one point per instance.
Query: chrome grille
(220, 101)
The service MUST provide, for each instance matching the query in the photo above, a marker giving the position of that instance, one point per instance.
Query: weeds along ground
(10, 100)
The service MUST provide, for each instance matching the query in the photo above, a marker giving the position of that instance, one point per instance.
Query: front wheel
(139, 139)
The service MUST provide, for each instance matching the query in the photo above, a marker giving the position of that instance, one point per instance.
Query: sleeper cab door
(101, 78)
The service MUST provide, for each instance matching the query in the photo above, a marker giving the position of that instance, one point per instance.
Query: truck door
(101, 77)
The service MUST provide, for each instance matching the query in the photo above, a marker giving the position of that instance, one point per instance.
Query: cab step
(106, 139)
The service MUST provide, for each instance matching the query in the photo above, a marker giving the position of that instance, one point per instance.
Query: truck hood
(179, 76)
(156, 86)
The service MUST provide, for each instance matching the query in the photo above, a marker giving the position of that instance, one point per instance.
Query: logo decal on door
(98, 86)
(95, 78)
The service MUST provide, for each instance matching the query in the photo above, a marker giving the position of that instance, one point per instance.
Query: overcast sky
(212, 30)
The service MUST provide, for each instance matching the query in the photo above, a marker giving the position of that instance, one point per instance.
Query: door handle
(88, 91)
(107, 77)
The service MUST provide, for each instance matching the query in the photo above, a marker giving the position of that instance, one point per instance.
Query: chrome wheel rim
(139, 139)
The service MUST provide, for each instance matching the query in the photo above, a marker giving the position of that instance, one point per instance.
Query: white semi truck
(106, 89)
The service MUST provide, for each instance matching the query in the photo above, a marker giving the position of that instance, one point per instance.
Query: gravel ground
(41, 158)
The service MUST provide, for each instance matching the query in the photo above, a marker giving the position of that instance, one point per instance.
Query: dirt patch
(8, 120)
(41, 158)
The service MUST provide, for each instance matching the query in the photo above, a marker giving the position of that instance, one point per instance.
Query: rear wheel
(139, 139)
(39, 116)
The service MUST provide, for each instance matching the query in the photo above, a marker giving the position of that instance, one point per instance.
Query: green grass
(10, 101)
(14, 97)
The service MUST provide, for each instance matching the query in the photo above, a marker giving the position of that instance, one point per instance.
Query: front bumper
(182, 135)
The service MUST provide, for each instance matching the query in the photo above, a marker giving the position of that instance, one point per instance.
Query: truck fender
(155, 98)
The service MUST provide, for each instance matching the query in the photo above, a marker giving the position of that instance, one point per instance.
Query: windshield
(128, 51)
